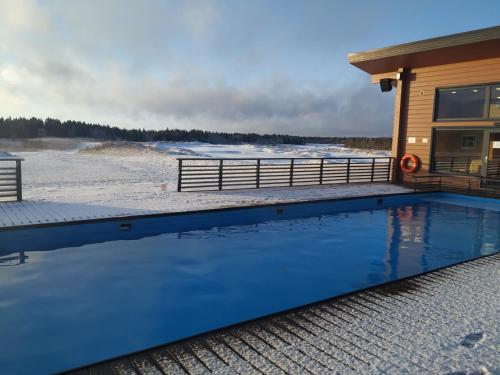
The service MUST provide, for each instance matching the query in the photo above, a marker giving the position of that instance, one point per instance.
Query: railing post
(414, 184)
(389, 165)
(321, 171)
(257, 178)
(452, 163)
(179, 178)
(19, 186)
(440, 183)
(348, 170)
(373, 170)
(220, 173)
(291, 171)
(467, 168)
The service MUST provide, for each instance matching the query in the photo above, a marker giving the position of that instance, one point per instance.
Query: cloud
(276, 106)
(171, 64)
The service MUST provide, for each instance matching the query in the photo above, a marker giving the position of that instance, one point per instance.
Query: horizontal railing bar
(190, 186)
(199, 169)
(185, 176)
(275, 174)
(239, 184)
(249, 182)
(216, 178)
(298, 158)
(287, 179)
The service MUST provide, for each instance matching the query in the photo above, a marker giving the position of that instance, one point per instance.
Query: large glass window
(495, 102)
(468, 103)
(461, 103)
(457, 151)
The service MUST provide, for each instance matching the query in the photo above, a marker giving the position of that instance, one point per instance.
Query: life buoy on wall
(409, 163)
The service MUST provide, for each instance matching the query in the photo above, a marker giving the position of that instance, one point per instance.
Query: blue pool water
(67, 299)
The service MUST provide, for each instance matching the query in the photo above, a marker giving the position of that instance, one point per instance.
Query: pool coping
(210, 333)
(204, 211)
(221, 209)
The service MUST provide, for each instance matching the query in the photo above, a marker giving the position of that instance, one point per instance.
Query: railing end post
(179, 178)
(19, 184)
(221, 166)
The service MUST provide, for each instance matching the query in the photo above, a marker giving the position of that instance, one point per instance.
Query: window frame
(469, 147)
(486, 104)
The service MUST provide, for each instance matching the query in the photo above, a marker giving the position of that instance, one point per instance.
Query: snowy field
(86, 179)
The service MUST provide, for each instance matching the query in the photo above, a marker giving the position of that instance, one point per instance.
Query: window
(468, 103)
(461, 103)
(457, 151)
(469, 141)
(495, 102)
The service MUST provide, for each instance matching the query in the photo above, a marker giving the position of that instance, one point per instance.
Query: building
(447, 103)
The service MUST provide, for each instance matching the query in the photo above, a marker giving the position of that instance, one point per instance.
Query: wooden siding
(419, 104)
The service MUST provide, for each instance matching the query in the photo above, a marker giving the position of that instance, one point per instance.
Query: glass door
(491, 169)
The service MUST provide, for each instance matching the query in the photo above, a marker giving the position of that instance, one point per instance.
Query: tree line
(37, 128)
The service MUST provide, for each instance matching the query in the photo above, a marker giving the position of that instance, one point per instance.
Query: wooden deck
(33, 211)
(443, 322)
(40, 212)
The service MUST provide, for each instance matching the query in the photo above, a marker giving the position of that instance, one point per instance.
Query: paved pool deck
(443, 322)
(34, 211)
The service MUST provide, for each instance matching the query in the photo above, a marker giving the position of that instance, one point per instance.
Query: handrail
(449, 183)
(10, 178)
(227, 173)
(296, 158)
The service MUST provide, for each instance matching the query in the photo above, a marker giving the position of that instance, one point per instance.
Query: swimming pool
(75, 294)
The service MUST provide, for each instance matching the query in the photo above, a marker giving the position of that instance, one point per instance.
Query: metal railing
(254, 173)
(10, 178)
(493, 169)
(434, 182)
(468, 165)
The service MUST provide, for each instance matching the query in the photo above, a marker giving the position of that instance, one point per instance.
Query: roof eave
(472, 45)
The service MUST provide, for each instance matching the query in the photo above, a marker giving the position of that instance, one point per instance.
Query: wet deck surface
(444, 322)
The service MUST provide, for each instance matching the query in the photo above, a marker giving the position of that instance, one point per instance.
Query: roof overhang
(468, 46)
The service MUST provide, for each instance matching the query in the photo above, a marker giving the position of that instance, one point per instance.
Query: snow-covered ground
(85, 179)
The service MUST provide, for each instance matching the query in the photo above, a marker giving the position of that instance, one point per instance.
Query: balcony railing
(10, 178)
(252, 173)
(449, 183)
(467, 165)
(493, 169)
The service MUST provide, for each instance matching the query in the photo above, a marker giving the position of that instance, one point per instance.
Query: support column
(400, 121)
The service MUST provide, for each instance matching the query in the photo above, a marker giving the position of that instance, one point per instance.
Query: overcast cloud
(251, 66)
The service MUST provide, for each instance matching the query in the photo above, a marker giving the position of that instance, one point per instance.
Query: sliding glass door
(466, 151)
(492, 156)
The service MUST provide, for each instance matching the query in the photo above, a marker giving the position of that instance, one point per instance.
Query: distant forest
(38, 128)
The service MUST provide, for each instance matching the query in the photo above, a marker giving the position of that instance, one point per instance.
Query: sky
(265, 66)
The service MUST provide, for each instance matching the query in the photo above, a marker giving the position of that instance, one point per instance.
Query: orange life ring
(409, 163)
